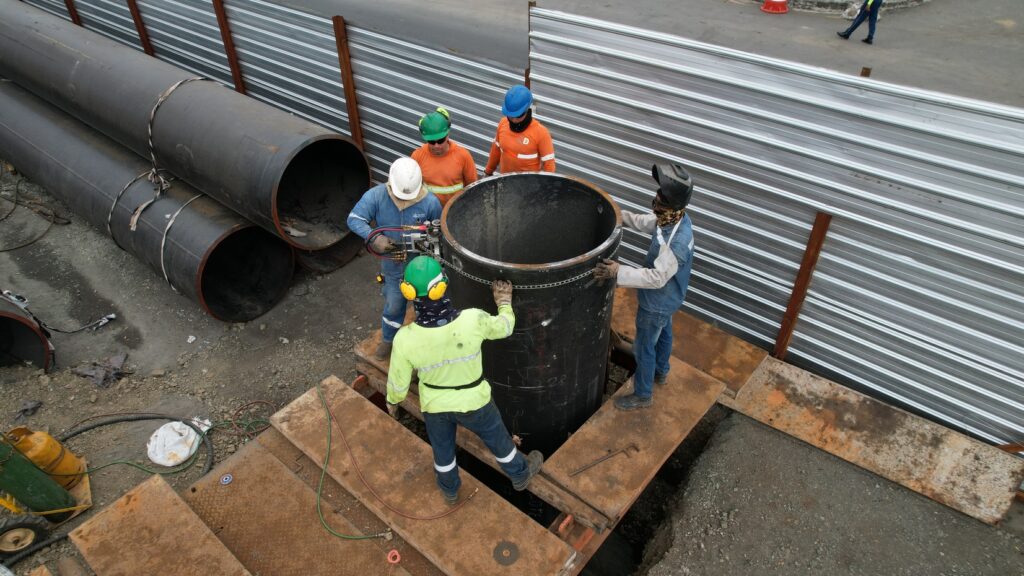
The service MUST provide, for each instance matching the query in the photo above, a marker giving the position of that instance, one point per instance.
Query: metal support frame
(140, 27)
(802, 283)
(347, 79)
(229, 46)
(73, 12)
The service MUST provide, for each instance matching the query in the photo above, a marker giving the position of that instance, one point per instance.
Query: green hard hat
(435, 126)
(421, 272)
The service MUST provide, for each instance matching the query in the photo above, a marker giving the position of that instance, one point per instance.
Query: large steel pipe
(234, 269)
(21, 338)
(544, 233)
(290, 176)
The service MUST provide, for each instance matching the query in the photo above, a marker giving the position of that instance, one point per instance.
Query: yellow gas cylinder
(49, 455)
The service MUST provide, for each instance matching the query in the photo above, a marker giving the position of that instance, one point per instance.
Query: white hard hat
(405, 178)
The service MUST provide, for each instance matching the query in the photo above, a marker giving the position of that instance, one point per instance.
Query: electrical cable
(10, 561)
(359, 471)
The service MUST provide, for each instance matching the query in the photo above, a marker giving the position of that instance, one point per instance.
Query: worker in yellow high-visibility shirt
(868, 10)
(443, 347)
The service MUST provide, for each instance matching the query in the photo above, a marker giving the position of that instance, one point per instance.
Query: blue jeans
(651, 348)
(486, 423)
(871, 14)
(394, 307)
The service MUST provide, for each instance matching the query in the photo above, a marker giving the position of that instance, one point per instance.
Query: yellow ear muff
(437, 288)
(408, 290)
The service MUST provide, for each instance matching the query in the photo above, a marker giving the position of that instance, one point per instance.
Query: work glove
(502, 290)
(382, 244)
(392, 410)
(606, 270)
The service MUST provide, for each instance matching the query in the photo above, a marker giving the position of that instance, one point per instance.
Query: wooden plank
(707, 348)
(150, 530)
(542, 486)
(265, 514)
(949, 467)
(398, 466)
(656, 432)
(339, 499)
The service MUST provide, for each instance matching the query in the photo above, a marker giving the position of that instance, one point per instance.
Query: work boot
(661, 379)
(843, 35)
(632, 402)
(534, 460)
(868, 41)
(383, 351)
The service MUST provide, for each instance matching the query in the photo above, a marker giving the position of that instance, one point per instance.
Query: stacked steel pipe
(296, 180)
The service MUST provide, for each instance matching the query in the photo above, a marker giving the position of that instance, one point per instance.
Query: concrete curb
(840, 6)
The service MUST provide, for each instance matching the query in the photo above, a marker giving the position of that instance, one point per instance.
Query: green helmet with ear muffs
(424, 277)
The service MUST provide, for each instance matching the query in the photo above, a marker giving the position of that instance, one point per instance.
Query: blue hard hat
(517, 100)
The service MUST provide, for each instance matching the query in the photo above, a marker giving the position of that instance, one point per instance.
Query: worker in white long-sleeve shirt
(661, 283)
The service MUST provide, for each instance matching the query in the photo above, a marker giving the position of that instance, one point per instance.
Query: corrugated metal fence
(917, 296)
(918, 292)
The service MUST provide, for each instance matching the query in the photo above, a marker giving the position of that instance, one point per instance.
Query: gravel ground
(760, 503)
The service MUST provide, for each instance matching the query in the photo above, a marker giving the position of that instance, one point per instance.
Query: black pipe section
(538, 229)
(290, 176)
(235, 270)
(22, 339)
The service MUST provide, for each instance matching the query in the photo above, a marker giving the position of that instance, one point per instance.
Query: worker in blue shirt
(661, 284)
(402, 201)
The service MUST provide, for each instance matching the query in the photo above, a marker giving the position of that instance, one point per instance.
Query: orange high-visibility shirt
(446, 175)
(528, 151)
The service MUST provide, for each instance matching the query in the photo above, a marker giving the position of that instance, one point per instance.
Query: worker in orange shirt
(522, 143)
(446, 166)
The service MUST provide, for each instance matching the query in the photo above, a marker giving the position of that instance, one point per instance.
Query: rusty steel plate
(150, 530)
(707, 348)
(962, 473)
(40, 570)
(267, 518)
(398, 466)
(613, 485)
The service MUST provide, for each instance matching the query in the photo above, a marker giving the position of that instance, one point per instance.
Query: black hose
(148, 416)
(12, 560)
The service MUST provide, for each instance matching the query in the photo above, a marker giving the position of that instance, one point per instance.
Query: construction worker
(401, 201)
(447, 167)
(443, 347)
(522, 143)
(661, 283)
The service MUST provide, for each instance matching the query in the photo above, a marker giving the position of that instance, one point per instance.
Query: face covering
(520, 126)
(666, 216)
(433, 313)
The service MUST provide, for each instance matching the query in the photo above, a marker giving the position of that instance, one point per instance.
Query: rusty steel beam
(229, 45)
(140, 27)
(73, 12)
(348, 80)
(803, 282)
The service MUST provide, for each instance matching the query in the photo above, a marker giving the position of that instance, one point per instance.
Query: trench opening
(530, 219)
(19, 343)
(246, 274)
(317, 191)
(644, 534)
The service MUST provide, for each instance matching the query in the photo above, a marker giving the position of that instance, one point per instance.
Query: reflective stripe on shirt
(548, 157)
(444, 189)
(526, 156)
(449, 362)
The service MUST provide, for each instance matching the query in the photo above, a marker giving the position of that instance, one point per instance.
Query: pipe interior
(20, 343)
(246, 274)
(319, 188)
(530, 219)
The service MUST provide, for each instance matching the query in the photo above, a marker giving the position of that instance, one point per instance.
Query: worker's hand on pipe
(606, 270)
(502, 290)
(382, 244)
(392, 410)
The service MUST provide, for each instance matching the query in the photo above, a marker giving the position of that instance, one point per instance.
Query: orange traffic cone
(775, 6)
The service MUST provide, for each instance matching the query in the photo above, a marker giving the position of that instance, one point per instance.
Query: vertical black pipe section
(290, 176)
(538, 230)
(234, 269)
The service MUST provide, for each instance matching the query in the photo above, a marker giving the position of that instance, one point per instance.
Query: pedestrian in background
(447, 167)
(868, 10)
(522, 143)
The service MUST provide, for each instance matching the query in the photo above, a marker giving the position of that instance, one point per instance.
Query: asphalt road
(970, 49)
